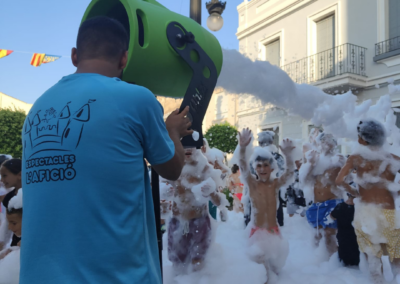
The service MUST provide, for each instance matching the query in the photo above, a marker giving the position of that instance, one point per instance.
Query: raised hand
(287, 146)
(245, 137)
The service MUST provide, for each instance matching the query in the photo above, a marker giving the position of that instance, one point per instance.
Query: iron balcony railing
(387, 46)
(342, 59)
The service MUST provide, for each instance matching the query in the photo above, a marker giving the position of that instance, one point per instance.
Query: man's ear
(123, 61)
(74, 56)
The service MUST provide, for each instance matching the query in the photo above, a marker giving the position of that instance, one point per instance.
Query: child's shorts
(188, 240)
(319, 214)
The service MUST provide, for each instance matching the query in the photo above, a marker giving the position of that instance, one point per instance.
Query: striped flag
(37, 59)
(50, 58)
(5, 52)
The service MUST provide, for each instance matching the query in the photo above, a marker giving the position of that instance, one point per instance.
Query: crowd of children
(349, 201)
(339, 196)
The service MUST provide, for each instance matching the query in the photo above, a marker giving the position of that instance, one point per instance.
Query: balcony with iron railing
(387, 48)
(343, 59)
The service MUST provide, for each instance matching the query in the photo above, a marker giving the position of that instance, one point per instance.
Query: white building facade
(336, 45)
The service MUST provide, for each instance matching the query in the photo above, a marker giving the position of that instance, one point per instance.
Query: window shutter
(272, 52)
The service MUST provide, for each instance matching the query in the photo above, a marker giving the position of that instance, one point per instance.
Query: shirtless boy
(189, 231)
(266, 140)
(374, 219)
(321, 173)
(263, 191)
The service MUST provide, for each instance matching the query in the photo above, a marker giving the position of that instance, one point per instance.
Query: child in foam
(375, 223)
(10, 256)
(3, 189)
(295, 196)
(236, 188)
(266, 243)
(190, 228)
(348, 250)
(11, 178)
(318, 180)
(215, 158)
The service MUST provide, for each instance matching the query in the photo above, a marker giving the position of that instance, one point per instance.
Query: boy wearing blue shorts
(322, 170)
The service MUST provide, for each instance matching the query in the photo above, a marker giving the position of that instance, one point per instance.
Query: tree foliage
(11, 124)
(223, 137)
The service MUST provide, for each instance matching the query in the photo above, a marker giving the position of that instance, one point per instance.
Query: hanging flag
(5, 52)
(37, 59)
(50, 58)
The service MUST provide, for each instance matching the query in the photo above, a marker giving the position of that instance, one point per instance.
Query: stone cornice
(288, 10)
(250, 4)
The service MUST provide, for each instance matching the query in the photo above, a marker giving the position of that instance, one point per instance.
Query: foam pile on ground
(228, 261)
(9, 268)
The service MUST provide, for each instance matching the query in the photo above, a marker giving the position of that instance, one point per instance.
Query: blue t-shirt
(88, 210)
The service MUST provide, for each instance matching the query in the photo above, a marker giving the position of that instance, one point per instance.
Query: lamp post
(215, 9)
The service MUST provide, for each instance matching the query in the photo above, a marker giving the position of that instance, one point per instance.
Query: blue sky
(51, 27)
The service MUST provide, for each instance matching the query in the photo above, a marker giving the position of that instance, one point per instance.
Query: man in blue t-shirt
(88, 210)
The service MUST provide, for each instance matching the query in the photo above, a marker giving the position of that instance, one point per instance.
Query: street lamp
(215, 9)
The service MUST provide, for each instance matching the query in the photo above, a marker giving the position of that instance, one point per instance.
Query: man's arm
(287, 149)
(244, 141)
(344, 172)
(313, 157)
(177, 125)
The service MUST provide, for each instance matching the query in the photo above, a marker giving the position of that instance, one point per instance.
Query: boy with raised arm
(375, 213)
(318, 178)
(267, 244)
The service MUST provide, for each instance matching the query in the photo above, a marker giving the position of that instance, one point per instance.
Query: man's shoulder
(123, 88)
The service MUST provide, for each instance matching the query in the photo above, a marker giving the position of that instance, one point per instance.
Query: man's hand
(287, 146)
(244, 137)
(178, 123)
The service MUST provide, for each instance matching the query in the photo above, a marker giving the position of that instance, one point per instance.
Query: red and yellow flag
(37, 59)
(5, 52)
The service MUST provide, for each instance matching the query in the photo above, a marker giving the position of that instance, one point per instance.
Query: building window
(393, 26)
(272, 52)
(394, 19)
(325, 47)
(326, 33)
(388, 31)
(276, 137)
(397, 114)
(221, 106)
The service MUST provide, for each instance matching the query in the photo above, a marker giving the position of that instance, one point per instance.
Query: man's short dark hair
(372, 131)
(103, 38)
